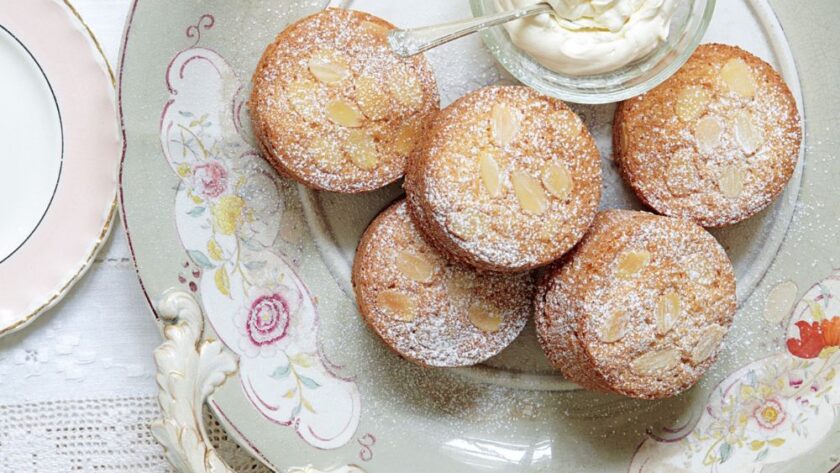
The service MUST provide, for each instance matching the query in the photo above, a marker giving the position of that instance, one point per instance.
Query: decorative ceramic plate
(59, 153)
(206, 215)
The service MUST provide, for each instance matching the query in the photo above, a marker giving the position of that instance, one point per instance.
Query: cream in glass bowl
(600, 51)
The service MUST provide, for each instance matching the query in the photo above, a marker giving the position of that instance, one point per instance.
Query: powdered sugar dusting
(390, 97)
(582, 297)
(681, 168)
(447, 195)
(441, 331)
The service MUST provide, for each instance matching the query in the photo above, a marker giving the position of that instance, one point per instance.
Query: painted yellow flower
(227, 214)
(184, 170)
(770, 415)
(765, 391)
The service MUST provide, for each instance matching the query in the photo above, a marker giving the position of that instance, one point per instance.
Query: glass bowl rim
(598, 97)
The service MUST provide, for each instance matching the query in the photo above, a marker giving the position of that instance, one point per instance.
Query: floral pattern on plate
(237, 224)
(769, 411)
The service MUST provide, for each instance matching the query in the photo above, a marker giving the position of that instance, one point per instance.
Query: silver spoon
(413, 41)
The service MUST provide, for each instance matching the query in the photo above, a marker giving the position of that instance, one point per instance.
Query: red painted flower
(814, 337)
(210, 179)
(810, 342)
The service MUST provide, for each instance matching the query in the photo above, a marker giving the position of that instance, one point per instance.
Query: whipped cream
(591, 36)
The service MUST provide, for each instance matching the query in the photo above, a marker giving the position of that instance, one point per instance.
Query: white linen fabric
(77, 387)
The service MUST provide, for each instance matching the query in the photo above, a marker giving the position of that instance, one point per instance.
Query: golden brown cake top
(428, 309)
(507, 179)
(334, 108)
(715, 143)
(640, 307)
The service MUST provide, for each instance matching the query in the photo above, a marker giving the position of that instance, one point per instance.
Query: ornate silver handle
(415, 41)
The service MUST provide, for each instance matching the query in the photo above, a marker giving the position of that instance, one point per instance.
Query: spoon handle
(415, 41)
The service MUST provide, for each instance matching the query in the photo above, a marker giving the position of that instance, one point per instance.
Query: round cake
(506, 179)
(428, 309)
(334, 108)
(715, 143)
(639, 308)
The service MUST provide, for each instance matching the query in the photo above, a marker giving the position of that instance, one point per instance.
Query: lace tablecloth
(77, 387)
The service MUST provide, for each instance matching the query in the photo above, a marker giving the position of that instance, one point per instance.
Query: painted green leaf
(281, 372)
(725, 452)
(308, 382)
(200, 259)
(308, 406)
(826, 295)
(255, 265)
(197, 211)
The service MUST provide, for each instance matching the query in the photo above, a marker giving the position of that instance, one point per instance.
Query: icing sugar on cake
(639, 308)
(715, 143)
(506, 179)
(428, 309)
(334, 108)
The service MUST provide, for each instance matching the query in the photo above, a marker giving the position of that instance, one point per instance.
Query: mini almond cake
(427, 309)
(639, 308)
(715, 143)
(334, 108)
(506, 180)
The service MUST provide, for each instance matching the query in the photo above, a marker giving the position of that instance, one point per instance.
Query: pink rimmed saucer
(59, 152)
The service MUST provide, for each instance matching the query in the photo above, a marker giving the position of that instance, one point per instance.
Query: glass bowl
(688, 26)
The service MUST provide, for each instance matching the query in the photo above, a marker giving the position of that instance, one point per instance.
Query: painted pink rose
(210, 179)
(267, 324)
(268, 320)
